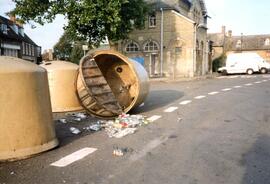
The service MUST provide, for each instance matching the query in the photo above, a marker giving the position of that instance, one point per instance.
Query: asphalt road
(209, 131)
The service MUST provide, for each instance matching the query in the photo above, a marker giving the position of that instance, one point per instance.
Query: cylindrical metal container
(111, 83)
(62, 83)
(26, 124)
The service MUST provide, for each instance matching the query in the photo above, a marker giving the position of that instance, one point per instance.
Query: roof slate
(12, 36)
(250, 42)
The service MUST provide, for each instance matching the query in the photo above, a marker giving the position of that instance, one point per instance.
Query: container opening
(119, 77)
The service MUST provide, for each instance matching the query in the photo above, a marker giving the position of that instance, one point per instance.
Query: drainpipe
(194, 49)
(161, 42)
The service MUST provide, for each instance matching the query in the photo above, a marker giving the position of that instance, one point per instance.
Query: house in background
(250, 43)
(14, 42)
(225, 43)
(174, 40)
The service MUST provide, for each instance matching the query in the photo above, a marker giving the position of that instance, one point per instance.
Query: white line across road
(199, 97)
(154, 118)
(170, 109)
(213, 93)
(185, 102)
(227, 89)
(73, 157)
(248, 84)
(258, 82)
(237, 86)
(264, 80)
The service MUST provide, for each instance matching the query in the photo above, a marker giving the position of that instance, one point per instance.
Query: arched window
(151, 46)
(132, 47)
(267, 42)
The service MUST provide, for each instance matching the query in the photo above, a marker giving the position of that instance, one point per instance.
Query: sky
(241, 16)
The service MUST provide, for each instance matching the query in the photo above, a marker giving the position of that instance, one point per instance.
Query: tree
(91, 20)
(69, 48)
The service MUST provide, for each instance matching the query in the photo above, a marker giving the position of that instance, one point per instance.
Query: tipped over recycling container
(26, 123)
(62, 77)
(110, 83)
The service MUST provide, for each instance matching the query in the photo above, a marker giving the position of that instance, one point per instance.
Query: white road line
(170, 109)
(199, 97)
(248, 84)
(258, 82)
(264, 80)
(73, 157)
(185, 102)
(154, 118)
(237, 86)
(213, 93)
(227, 89)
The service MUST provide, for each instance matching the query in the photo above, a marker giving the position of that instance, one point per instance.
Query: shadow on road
(157, 99)
(257, 162)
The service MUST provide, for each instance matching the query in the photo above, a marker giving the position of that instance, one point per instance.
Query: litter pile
(121, 126)
(124, 124)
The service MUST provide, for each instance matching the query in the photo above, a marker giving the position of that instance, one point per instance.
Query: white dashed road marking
(264, 80)
(73, 157)
(227, 89)
(199, 97)
(237, 86)
(170, 109)
(248, 84)
(185, 102)
(258, 82)
(213, 93)
(153, 118)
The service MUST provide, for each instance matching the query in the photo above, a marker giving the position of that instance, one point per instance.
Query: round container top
(59, 65)
(13, 64)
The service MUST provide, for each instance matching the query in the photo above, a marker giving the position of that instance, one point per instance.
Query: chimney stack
(223, 30)
(230, 33)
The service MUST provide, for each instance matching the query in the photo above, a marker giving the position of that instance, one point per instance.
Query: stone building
(225, 43)
(174, 40)
(15, 42)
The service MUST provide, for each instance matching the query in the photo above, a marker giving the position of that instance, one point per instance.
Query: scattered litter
(179, 119)
(63, 120)
(80, 115)
(77, 119)
(94, 127)
(121, 151)
(12, 172)
(118, 152)
(141, 105)
(124, 124)
(74, 130)
(124, 132)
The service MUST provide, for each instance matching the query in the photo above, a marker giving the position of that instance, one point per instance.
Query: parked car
(244, 63)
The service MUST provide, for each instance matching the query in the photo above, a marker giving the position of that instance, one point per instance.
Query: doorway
(153, 65)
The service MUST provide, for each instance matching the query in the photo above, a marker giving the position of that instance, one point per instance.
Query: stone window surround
(267, 42)
(151, 46)
(152, 20)
(132, 46)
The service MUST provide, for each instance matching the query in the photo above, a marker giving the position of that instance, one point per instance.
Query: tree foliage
(91, 20)
(69, 49)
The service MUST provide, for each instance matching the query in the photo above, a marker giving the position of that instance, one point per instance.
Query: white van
(244, 63)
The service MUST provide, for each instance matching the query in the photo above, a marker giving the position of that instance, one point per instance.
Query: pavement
(206, 131)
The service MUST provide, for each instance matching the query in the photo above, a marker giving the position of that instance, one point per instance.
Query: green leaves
(90, 20)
